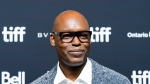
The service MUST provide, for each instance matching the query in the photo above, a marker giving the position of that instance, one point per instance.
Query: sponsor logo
(13, 34)
(98, 34)
(6, 79)
(140, 77)
(43, 35)
(138, 35)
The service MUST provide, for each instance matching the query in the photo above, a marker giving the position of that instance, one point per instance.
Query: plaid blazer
(100, 75)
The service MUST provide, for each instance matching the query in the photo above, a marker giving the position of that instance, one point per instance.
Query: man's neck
(71, 72)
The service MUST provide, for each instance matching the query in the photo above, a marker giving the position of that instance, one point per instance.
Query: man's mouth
(76, 52)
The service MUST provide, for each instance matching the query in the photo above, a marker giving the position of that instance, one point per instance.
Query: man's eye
(84, 36)
(66, 36)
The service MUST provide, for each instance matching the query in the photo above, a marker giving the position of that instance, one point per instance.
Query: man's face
(73, 53)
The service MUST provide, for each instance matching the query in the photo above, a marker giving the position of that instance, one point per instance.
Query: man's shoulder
(105, 75)
(47, 78)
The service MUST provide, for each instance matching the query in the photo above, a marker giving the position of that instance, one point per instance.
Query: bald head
(70, 19)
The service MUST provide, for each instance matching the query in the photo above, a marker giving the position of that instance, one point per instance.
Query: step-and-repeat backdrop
(120, 40)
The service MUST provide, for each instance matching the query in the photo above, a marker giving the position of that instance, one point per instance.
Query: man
(71, 37)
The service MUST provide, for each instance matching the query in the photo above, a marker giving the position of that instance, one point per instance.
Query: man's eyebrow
(66, 31)
(72, 31)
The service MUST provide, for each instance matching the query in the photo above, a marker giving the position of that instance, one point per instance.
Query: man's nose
(76, 41)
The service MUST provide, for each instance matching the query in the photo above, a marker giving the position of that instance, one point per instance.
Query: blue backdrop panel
(35, 55)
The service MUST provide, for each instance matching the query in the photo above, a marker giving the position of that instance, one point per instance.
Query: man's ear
(52, 40)
(90, 41)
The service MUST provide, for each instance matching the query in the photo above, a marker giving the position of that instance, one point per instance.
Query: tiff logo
(100, 34)
(6, 79)
(141, 77)
(13, 34)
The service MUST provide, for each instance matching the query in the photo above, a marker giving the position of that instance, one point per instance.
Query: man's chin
(72, 64)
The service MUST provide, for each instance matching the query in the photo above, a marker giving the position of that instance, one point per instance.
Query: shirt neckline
(85, 75)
